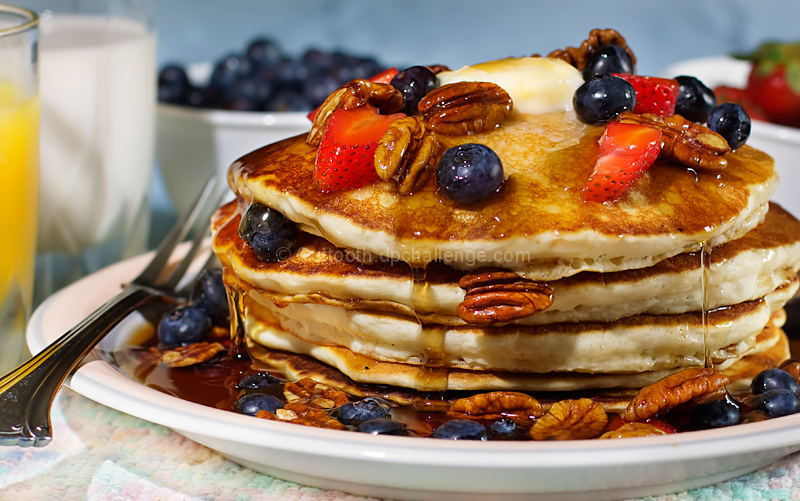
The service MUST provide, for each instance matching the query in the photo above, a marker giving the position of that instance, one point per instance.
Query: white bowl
(781, 142)
(194, 143)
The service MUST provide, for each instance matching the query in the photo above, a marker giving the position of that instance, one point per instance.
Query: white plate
(409, 467)
(781, 142)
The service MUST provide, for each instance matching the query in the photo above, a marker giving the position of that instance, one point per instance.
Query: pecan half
(629, 430)
(684, 141)
(570, 419)
(462, 108)
(793, 368)
(438, 68)
(579, 56)
(192, 354)
(300, 413)
(674, 390)
(351, 95)
(315, 394)
(407, 153)
(501, 296)
(497, 404)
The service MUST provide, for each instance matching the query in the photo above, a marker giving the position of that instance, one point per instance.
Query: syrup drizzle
(433, 376)
(705, 276)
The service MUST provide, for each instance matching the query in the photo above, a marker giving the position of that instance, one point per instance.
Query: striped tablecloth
(100, 454)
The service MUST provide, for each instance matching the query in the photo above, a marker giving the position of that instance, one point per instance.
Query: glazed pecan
(313, 393)
(674, 390)
(570, 419)
(793, 368)
(462, 108)
(497, 404)
(684, 141)
(192, 354)
(629, 430)
(351, 95)
(407, 153)
(579, 56)
(501, 296)
(438, 68)
(301, 413)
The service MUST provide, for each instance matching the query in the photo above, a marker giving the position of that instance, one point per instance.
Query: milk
(98, 94)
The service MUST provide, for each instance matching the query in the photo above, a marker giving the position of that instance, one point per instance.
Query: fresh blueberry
(200, 97)
(263, 53)
(209, 294)
(461, 429)
(247, 93)
(251, 403)
(292, 74)
(602, 98)
(288, 100)
(366, 67)
(695, 100)
(183, 325)
(608, 59)
(507, 429)
(469, 172)
(774, 379)
(317, 59)
(271, 236)
(414, 83)
(716, 414)
(258, 380)
(227, 70)
(382, 426)
(319, 86)
(173, 84)
(363, 410)
(730, 121)
(776, 403)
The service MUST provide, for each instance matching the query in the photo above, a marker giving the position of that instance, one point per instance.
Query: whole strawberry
(774, 82)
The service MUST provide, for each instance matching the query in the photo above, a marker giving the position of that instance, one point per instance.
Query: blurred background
(462, 32)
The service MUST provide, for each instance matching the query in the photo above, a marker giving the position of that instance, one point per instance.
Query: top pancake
(538, 223)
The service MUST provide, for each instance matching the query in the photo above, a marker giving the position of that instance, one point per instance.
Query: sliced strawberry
(653, 94)
(626, 152)
(347, 149)
(662, 425)
(384, 77)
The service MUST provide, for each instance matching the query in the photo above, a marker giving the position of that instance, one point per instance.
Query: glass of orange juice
(19, 176)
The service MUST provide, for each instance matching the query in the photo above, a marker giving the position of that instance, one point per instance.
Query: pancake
(537, 224)
(770, 350)
(318, 272)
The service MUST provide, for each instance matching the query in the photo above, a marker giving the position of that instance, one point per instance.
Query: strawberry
(727, 94)
(653, 94)
(774, 81)
(626, 152)
(347, 149)
(384, 77)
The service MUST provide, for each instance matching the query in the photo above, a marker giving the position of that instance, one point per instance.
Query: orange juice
(19, 184)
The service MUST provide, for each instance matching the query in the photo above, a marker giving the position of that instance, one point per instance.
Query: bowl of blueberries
(210, 114)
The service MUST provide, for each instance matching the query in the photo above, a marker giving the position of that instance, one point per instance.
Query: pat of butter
(536, 85)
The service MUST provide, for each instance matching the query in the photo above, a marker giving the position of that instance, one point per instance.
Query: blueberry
(469, 172)
(209, 294)
(608, 59)
(291, 74)
(776, 403)
(173, 84)
(382, 426)
(716, 414)
(414, 83)
(317, 59)
(695, 100)
(183, 325)
(200, 97)
(461, 429)
(227, 70)
(730, 121)
(251, 403)
(602, 98)
(258, 380)
(363, 410)
(319, 86)
(366, 68)
(507, 429)
(247, 93)
(271, 236)
(288, 100)
(263, 53)
(774, 379)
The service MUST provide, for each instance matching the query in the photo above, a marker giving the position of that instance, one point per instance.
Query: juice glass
(19, 176)
(98, 77)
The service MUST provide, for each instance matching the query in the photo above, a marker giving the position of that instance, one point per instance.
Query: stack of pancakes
(688, 268)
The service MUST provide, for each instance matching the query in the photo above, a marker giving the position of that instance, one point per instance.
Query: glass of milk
(97, 61)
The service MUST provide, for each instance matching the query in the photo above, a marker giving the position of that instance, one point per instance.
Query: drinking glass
(97, 61)
(19, 175)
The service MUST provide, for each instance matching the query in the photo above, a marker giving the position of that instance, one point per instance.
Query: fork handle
(27, 392)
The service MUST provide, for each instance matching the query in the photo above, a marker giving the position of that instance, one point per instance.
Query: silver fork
(27, 392)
